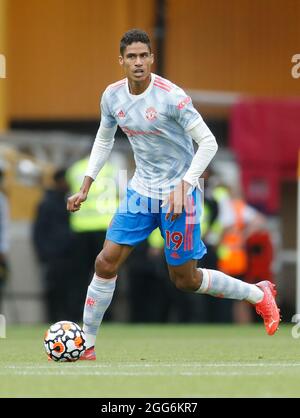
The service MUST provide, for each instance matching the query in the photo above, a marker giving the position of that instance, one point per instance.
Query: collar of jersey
(145, 93)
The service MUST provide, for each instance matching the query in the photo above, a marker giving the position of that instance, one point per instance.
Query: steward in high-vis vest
(232, 251)
(97, 211)
(238, 220)
(89, 226)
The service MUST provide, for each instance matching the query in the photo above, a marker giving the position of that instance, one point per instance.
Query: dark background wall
(62, 54)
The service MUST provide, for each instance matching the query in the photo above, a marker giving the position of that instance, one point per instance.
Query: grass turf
(157, 361)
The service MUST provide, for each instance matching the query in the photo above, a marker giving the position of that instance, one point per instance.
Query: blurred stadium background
(233, 57)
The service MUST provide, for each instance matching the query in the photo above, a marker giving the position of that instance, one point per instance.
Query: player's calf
(186, 277)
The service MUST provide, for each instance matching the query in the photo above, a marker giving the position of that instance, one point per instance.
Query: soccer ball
(64, 341)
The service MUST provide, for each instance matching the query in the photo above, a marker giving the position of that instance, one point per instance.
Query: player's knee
(185, 282)
(105, 266)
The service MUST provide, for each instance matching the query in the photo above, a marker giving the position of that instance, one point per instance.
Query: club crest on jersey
(151, 114)
(121, 114)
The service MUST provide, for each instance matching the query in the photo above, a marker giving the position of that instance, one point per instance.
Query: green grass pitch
(157, 361)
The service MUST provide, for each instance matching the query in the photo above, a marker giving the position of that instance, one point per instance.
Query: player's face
(137, 61)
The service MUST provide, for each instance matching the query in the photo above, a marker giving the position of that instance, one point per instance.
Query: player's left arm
(207, 148)
(181, 109)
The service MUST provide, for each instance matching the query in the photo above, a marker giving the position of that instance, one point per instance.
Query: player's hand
(74, 201)
(178, 200)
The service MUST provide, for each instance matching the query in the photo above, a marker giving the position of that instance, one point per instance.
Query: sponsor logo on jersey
(151, 114)
(132, 132)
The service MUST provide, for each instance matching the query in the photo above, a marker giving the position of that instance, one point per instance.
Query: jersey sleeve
(182, 110)
(107, 119)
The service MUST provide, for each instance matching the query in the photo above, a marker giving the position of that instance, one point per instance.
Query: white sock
(98, 298)
(218, 284)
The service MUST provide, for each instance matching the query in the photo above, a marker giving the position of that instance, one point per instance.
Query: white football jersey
(156, 123)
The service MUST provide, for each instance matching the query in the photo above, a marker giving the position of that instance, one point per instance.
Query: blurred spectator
(4, 237)
(260, 256)
(89, 226)
(239, 221)
(147, 298)
(152, 296)
(213, 310)
(53, 240)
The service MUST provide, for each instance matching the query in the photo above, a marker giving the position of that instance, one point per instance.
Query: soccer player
(160, 123)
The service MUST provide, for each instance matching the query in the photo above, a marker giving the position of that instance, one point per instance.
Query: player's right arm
(102, 147)
(74, 201)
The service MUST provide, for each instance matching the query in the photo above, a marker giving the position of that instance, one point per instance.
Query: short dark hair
(134, 35)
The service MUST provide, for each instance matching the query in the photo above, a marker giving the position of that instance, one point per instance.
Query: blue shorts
(137, 216)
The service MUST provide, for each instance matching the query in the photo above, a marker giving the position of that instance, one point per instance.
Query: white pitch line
(147, 365)
(141, 373)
